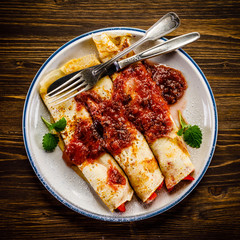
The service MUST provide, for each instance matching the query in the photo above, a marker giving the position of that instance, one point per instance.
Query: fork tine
(64, 84)
(82, 84)
(65, 89)
(65, 94)
(73, 95)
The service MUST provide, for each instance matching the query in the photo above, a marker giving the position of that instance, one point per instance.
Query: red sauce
(136, 97)
(110, 121)
(115, 177)
(170, 80)
(86, 144)
(143, 102)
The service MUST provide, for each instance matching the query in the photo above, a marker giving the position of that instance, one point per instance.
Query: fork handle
(157, 50)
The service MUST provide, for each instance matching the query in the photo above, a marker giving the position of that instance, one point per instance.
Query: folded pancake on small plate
(149, 112)
(83, 146)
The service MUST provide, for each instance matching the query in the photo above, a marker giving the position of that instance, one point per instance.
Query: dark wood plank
(32, 30)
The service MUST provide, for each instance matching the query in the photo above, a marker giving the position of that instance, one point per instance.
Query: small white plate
(65, 185)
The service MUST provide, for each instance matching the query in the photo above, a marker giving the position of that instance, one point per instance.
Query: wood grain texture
(32, 30)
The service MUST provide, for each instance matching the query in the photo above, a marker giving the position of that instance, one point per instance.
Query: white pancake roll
(173, 157)
(96, 172)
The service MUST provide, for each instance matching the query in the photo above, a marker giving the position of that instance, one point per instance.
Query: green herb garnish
(51, 139)
(192, 135)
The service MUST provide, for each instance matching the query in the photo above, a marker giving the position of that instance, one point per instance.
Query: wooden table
(32, 30)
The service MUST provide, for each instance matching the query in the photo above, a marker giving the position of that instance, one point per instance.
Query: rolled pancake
(101, 171)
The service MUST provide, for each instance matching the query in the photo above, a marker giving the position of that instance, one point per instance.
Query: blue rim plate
(201, 109)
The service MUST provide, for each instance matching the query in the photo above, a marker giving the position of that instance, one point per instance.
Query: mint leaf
(180, 132)
(50, 141)
(192, 135)
(60, 125)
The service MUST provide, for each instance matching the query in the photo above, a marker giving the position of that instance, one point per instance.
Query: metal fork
(87, 78)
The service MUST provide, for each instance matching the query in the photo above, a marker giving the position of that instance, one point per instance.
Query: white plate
(65, 185)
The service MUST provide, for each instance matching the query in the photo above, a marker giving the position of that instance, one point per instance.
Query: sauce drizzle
(171, 81)
(86, 144)
(109, 118)
(115, 177)
(143, 102)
